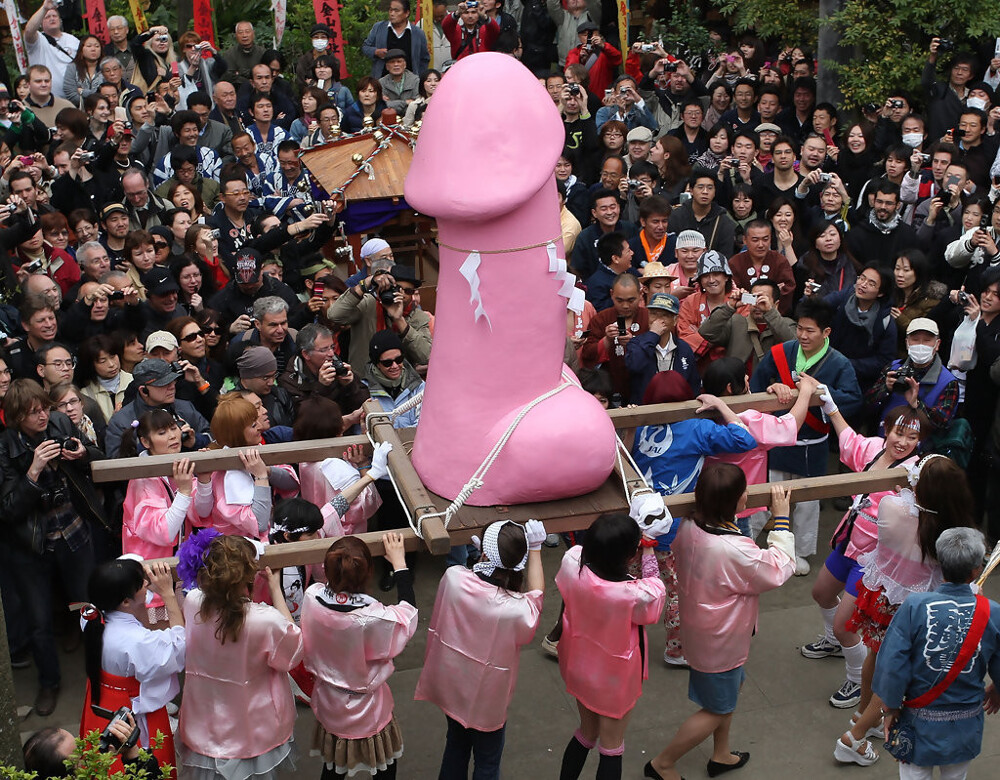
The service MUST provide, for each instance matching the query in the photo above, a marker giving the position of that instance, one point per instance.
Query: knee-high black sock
(610, 767)
(574, 757)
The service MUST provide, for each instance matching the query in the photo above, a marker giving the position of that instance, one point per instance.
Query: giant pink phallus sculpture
(483, 166)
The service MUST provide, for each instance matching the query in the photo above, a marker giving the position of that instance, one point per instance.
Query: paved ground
(783, 717)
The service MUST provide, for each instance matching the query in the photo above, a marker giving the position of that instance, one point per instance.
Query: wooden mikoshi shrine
(564, 515)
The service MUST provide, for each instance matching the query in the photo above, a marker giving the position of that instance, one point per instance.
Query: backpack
(955, 441)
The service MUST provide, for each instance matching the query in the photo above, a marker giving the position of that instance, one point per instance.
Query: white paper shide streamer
(573, 294)
(470, 270)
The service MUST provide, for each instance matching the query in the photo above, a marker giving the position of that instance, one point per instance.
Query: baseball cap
(111, 208)
(159, 281)
(656, 270)
(320, 28)
(403, 273)
(155, 372)
(248, 263)
(640, 134)
(665, 302)
(922, 324)
(160, 338)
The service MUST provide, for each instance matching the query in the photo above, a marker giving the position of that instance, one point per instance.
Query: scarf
(652, 255)
(861, 319)
(803, 364)
(885, 228)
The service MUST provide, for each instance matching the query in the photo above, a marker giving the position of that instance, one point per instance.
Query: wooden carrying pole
(806, 489)
(120, 469)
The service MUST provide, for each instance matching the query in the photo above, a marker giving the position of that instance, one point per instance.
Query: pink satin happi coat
(351, 655)
(719, 580)
(473, 648)
(144, 524)
(599, 655)
(237, 700)
(315, 489)
(855, 452)
(769, 432)
(236, 519)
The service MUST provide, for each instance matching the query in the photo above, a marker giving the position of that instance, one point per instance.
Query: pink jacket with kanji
(719, 580)
(237, 701)
(599, 654)
(473, 648)
(351, 655)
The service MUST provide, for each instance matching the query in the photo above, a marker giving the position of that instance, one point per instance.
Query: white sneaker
(847, 695)
(822, 648)
(678, 660)
(801, 567)
(849, 754)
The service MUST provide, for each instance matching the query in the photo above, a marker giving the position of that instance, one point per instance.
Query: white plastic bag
(963, 346)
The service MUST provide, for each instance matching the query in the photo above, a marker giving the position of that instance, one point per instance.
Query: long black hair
(109, 585)
(610, 543)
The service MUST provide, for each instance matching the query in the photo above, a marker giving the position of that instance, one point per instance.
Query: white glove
(829, 405)
(651, 515)
(535, 533)
(380, 461)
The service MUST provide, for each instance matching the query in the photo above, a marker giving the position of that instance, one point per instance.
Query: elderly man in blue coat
(922, 644)
(397, 32)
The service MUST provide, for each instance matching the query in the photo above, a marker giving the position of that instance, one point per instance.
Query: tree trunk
(828, 51)
(185, 13)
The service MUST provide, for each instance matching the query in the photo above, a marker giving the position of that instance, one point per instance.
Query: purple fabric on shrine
(364, 216)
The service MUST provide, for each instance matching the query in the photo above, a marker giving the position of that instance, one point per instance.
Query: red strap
(781, 362)
(979, 620)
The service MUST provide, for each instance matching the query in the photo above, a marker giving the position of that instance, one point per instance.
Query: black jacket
(22, 501)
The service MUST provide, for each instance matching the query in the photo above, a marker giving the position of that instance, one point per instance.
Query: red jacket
(483, 38)
(602, 71)
(62, 268)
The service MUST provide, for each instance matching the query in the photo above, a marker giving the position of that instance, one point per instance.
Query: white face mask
(913, 139)
(920, 354)
(320, 44)
(974, 102)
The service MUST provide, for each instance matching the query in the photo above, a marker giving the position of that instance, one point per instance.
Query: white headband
(914, 475)
(492, 550)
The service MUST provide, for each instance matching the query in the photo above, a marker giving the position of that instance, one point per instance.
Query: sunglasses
(160, 245)
(192, 337)
(390, 363)
(216, 329)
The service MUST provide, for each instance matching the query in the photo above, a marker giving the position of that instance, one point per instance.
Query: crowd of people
(167, 286)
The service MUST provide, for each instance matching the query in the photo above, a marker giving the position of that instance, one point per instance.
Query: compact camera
(162, 38)
(117, 295)
(963, 298)
(338, 366)
(86, 157)
(903, 373)
(896, 104)
(670, 67)
(647, 47)
(634, 184)
(825, 177)
(946, 44)
(574, 89)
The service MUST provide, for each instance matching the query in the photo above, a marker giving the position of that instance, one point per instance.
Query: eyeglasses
(192, 337)
(70, 363)
(236, 194)
(57, 232)
(62, 406)
(39, 412)
(390, 363)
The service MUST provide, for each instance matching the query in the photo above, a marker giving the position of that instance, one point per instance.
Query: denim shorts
(716, 692)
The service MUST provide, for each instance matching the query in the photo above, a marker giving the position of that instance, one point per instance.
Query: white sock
(854, 659)
(828, 615)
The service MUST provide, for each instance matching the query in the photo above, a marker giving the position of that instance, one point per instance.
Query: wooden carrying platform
(565, 515)
(332, 165)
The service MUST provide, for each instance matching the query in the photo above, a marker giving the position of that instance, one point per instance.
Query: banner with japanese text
(203, 21)
(97, 20)
(624, 16)
(138, 16)
(280, 14)
(15, 35)
(328, 13)
(425, 18)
